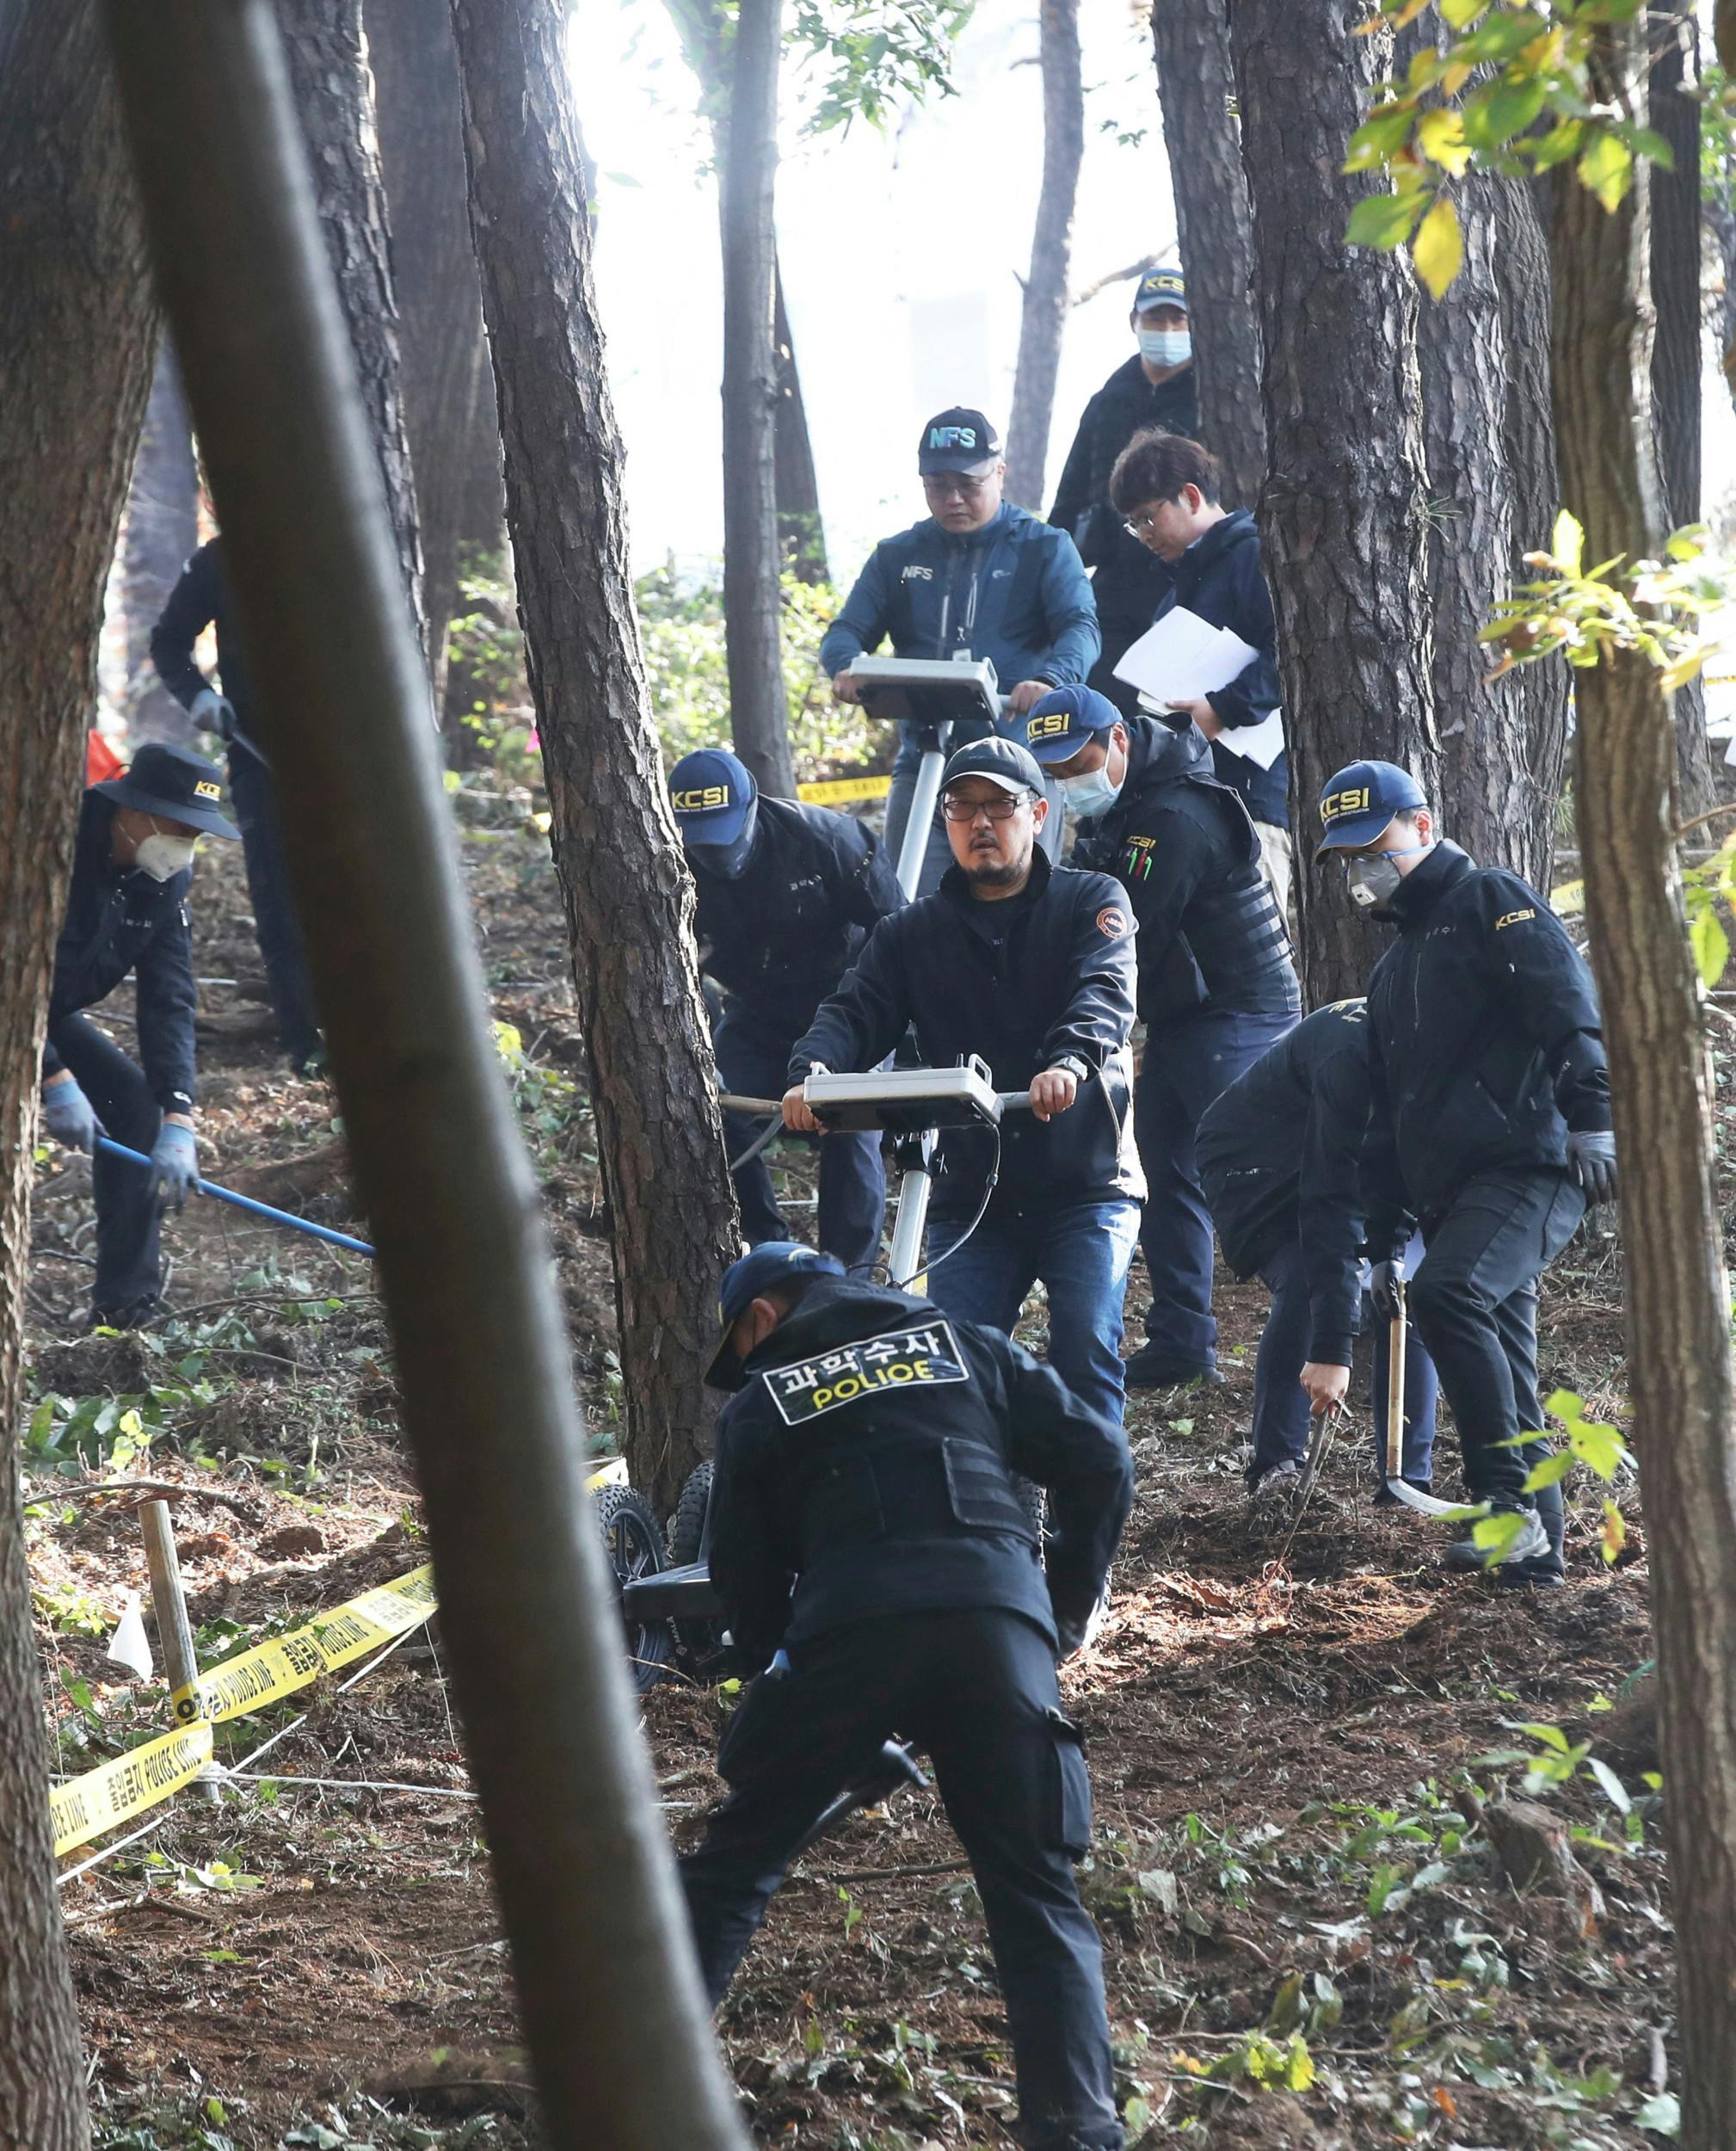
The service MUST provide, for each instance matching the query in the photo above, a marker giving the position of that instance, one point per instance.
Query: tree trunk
(1043, 319)
(448, 391)
(1196, 90)
(161, 528)
(1343, 521)
(629, 899)
(753, 601)
(1678, 1326)
(333, 100)
(800, 534)
(1494, 799)
(1673, 33)
(77, 335)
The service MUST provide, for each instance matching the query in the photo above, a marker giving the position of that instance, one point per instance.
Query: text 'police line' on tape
(838, 791)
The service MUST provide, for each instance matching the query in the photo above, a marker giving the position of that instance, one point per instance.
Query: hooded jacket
(1486, 1042)
(1210, 934)
(1014, 592)
(1027, 981)
(1128, 580)
(866, 1468)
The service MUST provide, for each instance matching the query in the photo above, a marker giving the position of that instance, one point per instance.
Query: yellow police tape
(115, 1791)
(838, 791)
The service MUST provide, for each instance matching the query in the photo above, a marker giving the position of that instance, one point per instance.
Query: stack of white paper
(1184, 657)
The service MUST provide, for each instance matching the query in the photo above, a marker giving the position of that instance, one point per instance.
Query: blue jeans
(1186, 1064)
(1080, 1255)
(1281, 1417)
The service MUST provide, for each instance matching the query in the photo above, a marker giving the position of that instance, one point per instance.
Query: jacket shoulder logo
(900, 1358)
(1111, 922)
(1515, 918)
(915, 572)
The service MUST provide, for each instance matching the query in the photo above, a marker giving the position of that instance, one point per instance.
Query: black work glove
(1384, 1286)
(213, 712)
(1591, 1160)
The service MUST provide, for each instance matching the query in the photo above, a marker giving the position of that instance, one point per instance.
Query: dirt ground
(1308, 1754)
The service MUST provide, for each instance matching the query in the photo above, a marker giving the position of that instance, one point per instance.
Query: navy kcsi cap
(1161, 287)
(710, 794)
(1359, 803)
(960, 441)
(775, 1262)
(1065, 720)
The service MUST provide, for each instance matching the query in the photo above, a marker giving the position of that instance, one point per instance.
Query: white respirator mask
(164, 857)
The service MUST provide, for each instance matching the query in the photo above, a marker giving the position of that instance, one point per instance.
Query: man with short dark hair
(1168, 488)
(126, 911)
(1031, 966)
(787, 894)
(874, 1557)
(976, 578)
(1489, 1125)
(1154, 388)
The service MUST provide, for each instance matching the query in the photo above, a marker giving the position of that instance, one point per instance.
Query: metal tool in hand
(246, 1203)
(1397, 1485)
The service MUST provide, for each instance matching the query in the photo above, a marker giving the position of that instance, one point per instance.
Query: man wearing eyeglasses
(1031, 966)
(976, 578)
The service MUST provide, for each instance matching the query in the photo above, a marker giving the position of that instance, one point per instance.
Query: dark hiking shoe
(137, 1313)
(1149, 1369)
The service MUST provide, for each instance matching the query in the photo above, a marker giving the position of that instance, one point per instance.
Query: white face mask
(1091, 794)
(163, 857)
(1166, 346)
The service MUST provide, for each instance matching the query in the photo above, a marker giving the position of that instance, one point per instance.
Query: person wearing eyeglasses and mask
(1489, 1125)
(1216, 987)
(1156, 388)
(976, 578)
(126, 911)
(1031, 966)
(787, 894)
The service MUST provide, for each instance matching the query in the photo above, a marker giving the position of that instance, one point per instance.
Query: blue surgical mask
(1166, 346)
(1091, 794)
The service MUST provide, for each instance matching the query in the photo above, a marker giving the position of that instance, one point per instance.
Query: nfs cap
(1064, 721)
(960, 441)
(710, 794)
(775, 1262)
(1161, 287)
(1359, 803)
(175, 783)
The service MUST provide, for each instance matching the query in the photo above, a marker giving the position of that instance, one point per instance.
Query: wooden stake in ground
(612, 2009)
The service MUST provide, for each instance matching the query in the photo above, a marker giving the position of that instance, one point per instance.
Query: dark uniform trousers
(977, 1691)
(280, 947)
(1473, 1301)
(128, 1219)
(753, 1061)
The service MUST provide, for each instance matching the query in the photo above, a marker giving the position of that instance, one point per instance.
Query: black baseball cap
(1360, 800)
(1003, 761)
(1064, 721)
(1161, 287)
(763, 1269)
(958, 439)
(174, 782)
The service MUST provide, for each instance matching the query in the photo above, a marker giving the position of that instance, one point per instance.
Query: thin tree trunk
(612, 2009)
(1343, 513)
(1673, 33)
(800, 534)
(333, 100)
(77, 334)
(160, 529)
(1677, 1295)
(448, 391)
(628, 900)
(1494, 800)
(753, 603)
(1197, 90)
(1043, 319)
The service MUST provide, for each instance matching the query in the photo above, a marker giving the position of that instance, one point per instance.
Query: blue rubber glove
(213, 712)
(67, 1114)
(174, 1165)
(1591, 1160)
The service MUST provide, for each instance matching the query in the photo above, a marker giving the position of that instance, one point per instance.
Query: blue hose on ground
(247, 1203)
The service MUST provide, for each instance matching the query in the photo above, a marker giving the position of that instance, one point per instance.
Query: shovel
(1397, 1484)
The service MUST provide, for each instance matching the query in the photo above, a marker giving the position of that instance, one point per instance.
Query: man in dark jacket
(873, 1556)
(1168, 489)
(200, 600)
(126, 911)
(1031, 967)
(976, 578)
(1278, 1154)
(1215, 983)
(787, 894)
(1489, 1124)
(1155, 390)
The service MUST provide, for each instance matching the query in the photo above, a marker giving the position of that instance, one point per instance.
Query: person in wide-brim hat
(173, 784)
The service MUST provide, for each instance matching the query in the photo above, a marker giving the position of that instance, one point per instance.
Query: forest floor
(1303, 1752)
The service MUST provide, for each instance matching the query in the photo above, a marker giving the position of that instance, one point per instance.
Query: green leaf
(1711, 945)
(1505, 109)
(1461, 13)
(1439, 249)
(1561, 142)
(1568, 544)
(1494, 1535)
(1661, 2116)
(1380, 136)
(1607, 168)
(1384, 220)
(1550, 1472)
(1441, 137)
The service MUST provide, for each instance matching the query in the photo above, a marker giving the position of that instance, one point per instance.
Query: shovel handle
(1396, 1388)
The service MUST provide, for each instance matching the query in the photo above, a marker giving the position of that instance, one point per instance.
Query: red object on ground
(100, 761)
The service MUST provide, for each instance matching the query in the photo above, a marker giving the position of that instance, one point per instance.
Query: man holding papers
(1167, 488)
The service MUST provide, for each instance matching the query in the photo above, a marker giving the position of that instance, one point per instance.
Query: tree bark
(800, 534)
(77, 335)
(1677, 1298)
(160, 529)
(1343, 521)
(628, 896)
(1673, 33)
(1043, 318)
(448, 390)
(333, 100)
(752, 602)
(1496, 799)
(1197, 90)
